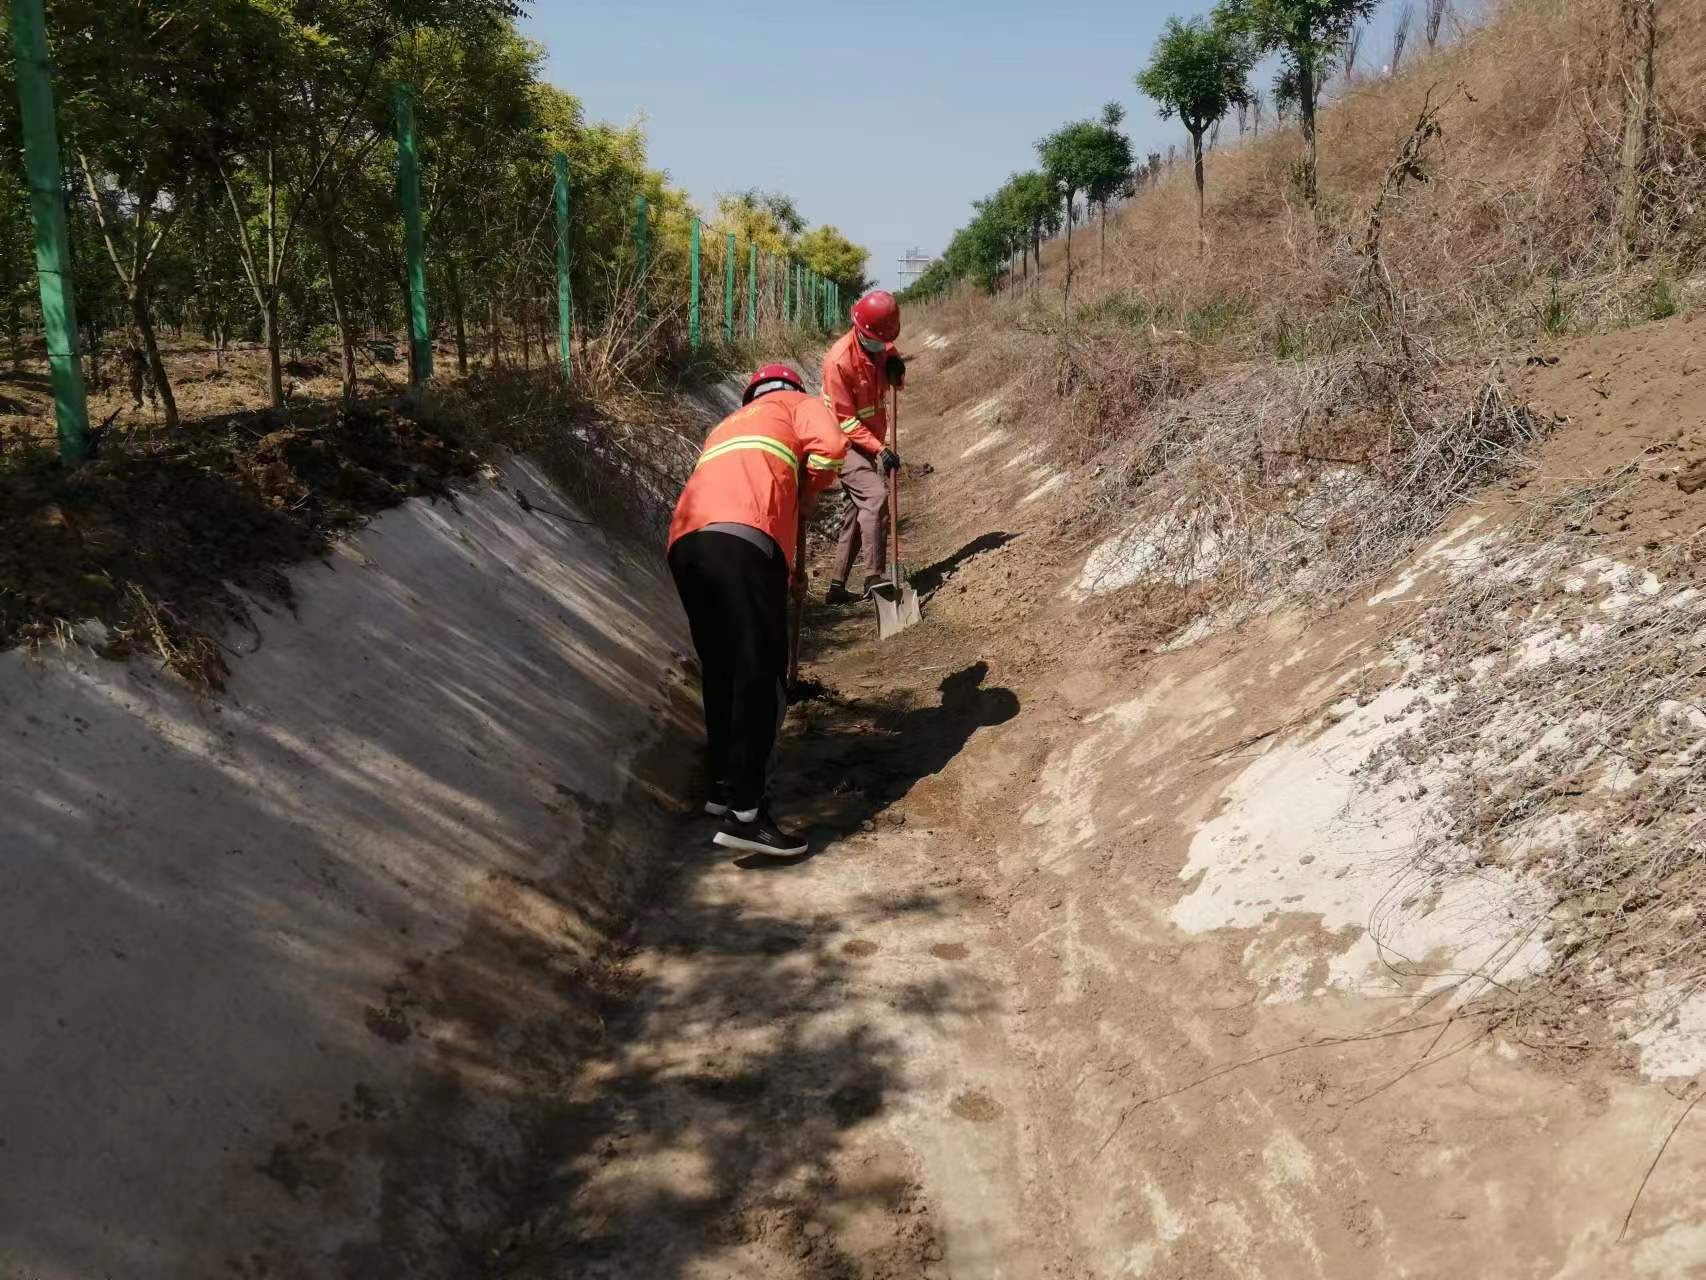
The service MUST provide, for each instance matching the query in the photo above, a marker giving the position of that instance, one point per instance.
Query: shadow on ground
(845, 761)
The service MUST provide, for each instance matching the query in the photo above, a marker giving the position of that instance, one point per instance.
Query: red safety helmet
(877, 316)
(778, 375)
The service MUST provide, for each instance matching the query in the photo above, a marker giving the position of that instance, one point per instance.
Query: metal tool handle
(894, 492)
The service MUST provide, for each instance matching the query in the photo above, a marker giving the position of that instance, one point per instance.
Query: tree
(1308, 35)
(1034, 207)
(1115, 173)
(482, 131)
(160, 67)
(1198, 72)
(1080, 158)
(1434, 12)
(1401, 34)
(835, 258)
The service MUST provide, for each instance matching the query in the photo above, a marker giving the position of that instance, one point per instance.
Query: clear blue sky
(886, 118)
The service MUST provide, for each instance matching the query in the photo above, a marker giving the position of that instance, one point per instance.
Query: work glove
(889, 461)
(896, 370)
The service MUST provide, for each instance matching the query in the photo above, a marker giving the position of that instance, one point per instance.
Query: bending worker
(732, 542)
(857, 373)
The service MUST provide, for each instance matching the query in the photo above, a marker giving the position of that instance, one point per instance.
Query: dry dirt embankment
(294, 970)
(1357, 938)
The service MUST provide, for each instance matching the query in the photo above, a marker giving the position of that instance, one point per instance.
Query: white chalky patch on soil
(1442, 554)
(985, 410)
(1671, 1036)
(935, 342)
(1200, 629)
(1300, 833)
(1184, 552)
(1044, 489)
(988, 442)
(1023, 456)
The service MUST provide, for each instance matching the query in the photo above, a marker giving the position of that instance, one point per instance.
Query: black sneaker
(717, 800)
(761, 835)
(872, 582)
(839, 594)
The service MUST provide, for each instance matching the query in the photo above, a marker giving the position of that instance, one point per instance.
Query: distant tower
(912, 265)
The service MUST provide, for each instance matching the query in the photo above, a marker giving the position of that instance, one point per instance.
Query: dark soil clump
(155, 537)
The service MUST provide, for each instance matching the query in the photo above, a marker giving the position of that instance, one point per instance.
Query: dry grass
(1318, 390)
(1570, 732)
(1291, 414)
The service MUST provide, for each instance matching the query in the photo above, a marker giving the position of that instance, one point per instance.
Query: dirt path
(979, 1033)
(808, 1072)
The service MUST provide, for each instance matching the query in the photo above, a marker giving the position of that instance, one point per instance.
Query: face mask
(874, 346)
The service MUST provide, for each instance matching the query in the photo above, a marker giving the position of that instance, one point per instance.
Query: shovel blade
(896, 610)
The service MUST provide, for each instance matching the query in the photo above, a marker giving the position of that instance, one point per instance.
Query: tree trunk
(1306, 109)
(346, 335)
(459, 311)
(1066, 289)
(494, 332)
(275, 359)
(12, 327)
(139, 313)
(1102, 247)
(1202, 204)
(526, 339)
(1640, 25)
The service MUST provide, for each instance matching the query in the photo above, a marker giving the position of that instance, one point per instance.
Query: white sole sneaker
(715, 810)
(728, 841)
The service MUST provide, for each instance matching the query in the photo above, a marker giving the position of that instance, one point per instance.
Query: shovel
(897, 602)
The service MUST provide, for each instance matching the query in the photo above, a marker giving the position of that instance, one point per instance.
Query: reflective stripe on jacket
(854, 385)
(749, 469)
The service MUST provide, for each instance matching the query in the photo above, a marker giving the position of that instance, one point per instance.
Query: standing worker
(857, 373)
(732, 542)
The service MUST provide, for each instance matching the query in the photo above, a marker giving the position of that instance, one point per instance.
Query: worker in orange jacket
(732, 542)
(857, 372)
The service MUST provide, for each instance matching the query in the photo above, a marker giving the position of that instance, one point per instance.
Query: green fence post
(642, 253)
(752, 290)
(414, 241)
(788, 292)
(729, 292)
(53, 243)
(565, 300)
(693, 299)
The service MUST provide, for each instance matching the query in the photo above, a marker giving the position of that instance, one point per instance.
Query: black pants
(736, 599)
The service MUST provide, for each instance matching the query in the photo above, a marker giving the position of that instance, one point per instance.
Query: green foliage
(1084, 158)
(1123, 310)
(1308, 35)
(834, 257)
(1198, 72)
(1661, 299)
(768, 219)
(1291, 340)
(231, 167)
(1554, 313)
(1129, 311)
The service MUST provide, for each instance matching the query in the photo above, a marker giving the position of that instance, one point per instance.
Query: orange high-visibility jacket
(750, 467)
(853, 387)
